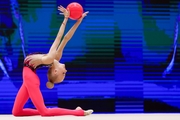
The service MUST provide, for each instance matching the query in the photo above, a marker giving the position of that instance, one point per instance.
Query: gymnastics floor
(100, 117)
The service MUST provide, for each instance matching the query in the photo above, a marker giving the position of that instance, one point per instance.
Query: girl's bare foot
(88, 112)
(78, 108)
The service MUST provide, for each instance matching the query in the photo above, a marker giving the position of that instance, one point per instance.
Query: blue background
(115, 60)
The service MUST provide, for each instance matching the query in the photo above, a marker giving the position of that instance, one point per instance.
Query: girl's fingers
(61, 13)
(62, 7)
(86, 12)
(27, 59)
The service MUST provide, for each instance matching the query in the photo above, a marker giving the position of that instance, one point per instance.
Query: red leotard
(31, 89)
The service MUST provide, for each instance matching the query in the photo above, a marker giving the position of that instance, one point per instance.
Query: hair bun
(49, 85)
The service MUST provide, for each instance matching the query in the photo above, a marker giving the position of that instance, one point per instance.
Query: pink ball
(76, 10)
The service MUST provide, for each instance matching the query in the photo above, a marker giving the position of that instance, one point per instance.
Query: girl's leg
(19, 103)
(32, 84)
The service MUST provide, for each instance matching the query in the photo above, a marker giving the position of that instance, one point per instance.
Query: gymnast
(56, 74)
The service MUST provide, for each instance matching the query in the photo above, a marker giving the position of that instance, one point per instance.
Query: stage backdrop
(123, 58)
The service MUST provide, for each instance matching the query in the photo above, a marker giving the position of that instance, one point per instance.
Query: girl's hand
(34, 60)
(64, 11)
(83, 15)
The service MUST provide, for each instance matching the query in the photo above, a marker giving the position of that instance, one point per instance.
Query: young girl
(56, 74)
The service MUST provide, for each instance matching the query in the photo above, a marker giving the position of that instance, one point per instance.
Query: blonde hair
(51, 79)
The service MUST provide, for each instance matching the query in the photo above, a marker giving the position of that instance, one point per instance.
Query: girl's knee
(16, 112)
